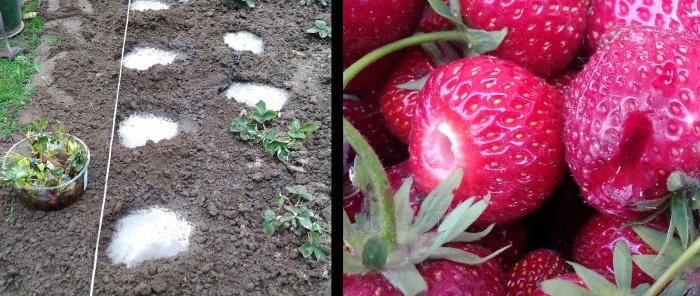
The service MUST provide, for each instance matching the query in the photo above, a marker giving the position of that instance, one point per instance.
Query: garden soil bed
(212, 179)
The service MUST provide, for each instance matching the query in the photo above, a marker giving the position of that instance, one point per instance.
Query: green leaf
(270, 223)
(414, 84)
(441, 9)
(467, 237)
(286, 217)
(407, 279)
(260, 107)
(306, 250)
(308, 128)
(314, 238)
(640, 289)
(682, 218)
(350, 234)
(460, 219)
(402, 207)
(653, 265)
(352, 265)
(283, 154)
(559, 287)
(658, 241)
(677, 287)
(319, 253)
(300, 191)
(461, 256)
(436, 203)
(622, 265)
(312, 30)
(485, 41)
(304, 222)
(596, 283)
(279, 198)
(320, 24)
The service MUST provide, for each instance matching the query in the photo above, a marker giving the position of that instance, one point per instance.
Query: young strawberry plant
(321, 28)
(253, 129)
(298, 218)
(41, 164)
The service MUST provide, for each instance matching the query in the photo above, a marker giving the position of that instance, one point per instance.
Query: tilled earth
(215, 181)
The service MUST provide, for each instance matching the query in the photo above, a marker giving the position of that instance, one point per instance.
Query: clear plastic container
(51, 198)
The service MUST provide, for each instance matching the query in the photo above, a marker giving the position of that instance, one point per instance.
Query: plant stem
(674, 269)
(385, 50)
(381, 195)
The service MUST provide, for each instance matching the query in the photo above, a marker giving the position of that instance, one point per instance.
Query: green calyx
(392, 239)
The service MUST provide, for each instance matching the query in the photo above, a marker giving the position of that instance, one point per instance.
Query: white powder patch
(136, 130)
(143, 5)
(244, 40)
(147, 235)
(252, 93)
(142, 58)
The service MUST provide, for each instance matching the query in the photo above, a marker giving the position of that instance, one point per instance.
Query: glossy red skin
(564, 80)
(676, 15)
(397, 175)
(397, 104)
(365, 116)
(433, 22)
(543, 36)
(572, 277)
(627, 128)
(442, 276)
(503, 133)
(369, 24)
(595, 244)
(537, 266)
(513, 234)
(353, 203)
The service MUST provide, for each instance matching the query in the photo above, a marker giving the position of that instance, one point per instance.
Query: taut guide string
(109, 155)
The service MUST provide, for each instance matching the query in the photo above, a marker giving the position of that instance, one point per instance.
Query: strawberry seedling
(297, 218)
(310, 2)
(321, 28)
(253, 129)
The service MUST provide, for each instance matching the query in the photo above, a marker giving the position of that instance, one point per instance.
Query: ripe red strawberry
(433, 22)
(539, 265)
(514, 234)
(369, 24)
(397, 175)
(442, 276)
(365, 116)
(596, 241)
(397, 104)
(574, 278)
(542, 36)
(677, 15)
(564, 80)
(631, 119)
(498, 121)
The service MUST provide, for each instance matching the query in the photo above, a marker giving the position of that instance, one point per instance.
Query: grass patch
(15, 89)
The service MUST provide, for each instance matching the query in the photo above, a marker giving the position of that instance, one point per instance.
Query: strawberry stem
(381, 196)
(385, 50)
(674, 269)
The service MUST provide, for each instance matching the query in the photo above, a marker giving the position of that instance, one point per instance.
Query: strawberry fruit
(539, 265)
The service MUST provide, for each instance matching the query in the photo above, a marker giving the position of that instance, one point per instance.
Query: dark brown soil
(215, 181)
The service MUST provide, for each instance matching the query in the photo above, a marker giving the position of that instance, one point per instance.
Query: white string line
(109, 154)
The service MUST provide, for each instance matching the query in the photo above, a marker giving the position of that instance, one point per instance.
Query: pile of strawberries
(571, 127)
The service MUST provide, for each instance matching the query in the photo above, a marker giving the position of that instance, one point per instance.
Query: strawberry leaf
(596, 283)
(681, 218)
(441, 9)
(352, 265)
(406, 279)
(436, 203)
(677, 287)
(485, 41)
(460, 219)
(622, 265)
(664, 244)
(653, 265)
(462, 256)
(473, 236)
(414, 84)
(557, 287)
(402, 207)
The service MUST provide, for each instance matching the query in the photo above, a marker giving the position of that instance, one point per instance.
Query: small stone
(212, 209)
(143, 289)
(257, 176)
(158, 286)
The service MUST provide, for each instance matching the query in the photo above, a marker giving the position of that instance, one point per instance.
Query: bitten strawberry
(397, 103)
(498, 121)
(539, 265)
(542, 36)
(596, 240)
(677, 15)
(632, 119)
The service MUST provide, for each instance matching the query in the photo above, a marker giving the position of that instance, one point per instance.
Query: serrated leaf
(314, 238)
(596, 283)
(677, 287)
(352, 265)
(658, 241)
(306, 250)
(460, 219)
(681, 218)
(279, 198)
(441, 9)
(486, 41)
(319, 253)
(622, 265)
(300, 191)
(436, 203)
(653, 265)
(260, 107)
(559, 287)
(461, 256)
(304, 222)
(402, 206)
(473, 236)
(640, 289)
(414, 84)
(312, 30)
(406, 279)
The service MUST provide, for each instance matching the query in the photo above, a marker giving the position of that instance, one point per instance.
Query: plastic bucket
(11, 17)
(51, 198)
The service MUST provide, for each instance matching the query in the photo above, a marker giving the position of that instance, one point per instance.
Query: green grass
(15, 89)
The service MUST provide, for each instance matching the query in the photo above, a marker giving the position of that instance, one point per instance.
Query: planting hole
(136, 130)
(149, 234)
(144, 5)
(439, 153)
(142, 58)
(243, 41)
(251, 93)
